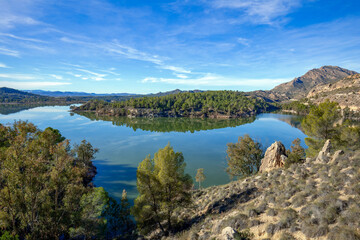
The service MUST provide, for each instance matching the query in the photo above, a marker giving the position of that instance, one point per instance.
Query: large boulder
(227, 233)
(275, 157)
(325, 154)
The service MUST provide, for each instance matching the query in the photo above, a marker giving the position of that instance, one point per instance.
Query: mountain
(345, 91)
(301, 86)
(9, 95)
(75, 94)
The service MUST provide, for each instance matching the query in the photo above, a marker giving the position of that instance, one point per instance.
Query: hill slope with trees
(212, 104)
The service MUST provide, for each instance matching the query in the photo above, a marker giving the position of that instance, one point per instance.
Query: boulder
(227, 233)
(275, 157)
(324, 155)
(336, 156)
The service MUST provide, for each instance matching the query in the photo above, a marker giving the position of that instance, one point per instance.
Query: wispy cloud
(17, 76)
(216, 80)
(2, 65)
(259, 11)
(94, 76)
(58, 77)
(115, 47)
(22, 38)
(9, 52)
(31, 85)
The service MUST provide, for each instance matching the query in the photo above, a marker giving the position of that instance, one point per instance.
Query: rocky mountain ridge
(301, 86)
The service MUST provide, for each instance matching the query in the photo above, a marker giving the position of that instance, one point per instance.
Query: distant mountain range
(85, 94)
(75, 94)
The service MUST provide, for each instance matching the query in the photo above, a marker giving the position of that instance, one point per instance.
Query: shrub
(287, 218)
(271, 212)
(244, 235)
(314, 231)
(343, 232)
(286, 236)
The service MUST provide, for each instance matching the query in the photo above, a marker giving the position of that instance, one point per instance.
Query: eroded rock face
(324, 155)
(275, 157)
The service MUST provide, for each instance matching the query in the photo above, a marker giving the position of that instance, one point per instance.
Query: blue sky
(151, 46)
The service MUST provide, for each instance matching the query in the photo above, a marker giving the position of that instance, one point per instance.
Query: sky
(133, 46)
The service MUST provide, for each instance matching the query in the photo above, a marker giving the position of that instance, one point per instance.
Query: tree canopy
(163, 186)
(243, 157)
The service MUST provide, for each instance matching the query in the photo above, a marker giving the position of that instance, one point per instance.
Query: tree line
(185, 103)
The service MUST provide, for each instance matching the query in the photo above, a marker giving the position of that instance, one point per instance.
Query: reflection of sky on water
(122, 148)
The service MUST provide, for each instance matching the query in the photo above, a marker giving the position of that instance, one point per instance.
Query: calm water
(124, 142)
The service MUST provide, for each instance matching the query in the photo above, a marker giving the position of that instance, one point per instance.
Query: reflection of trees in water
(7, 109)
(170, 124)
(293, 120)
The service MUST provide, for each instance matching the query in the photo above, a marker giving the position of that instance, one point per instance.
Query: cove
(124, 142)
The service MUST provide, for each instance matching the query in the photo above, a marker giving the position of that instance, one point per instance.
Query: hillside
(9, 95)
(301, 86)
(210, 104)
(318, 199)
(345, 91)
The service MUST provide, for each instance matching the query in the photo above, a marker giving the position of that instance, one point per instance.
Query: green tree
(163, 186)
(42, 191)
(243, 157)
(296, 155)
(320, 125)
(200, 176)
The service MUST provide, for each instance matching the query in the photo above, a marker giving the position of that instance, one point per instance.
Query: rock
(336, 156)
(227, 233)
(275, 157)
(324, 154)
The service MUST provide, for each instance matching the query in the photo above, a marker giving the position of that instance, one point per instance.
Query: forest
(184, 104)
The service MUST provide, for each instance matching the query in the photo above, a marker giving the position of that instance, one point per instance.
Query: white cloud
(2, 65)
(260, 11)
(175, 69)
(9, 52)
(216, 80)
(115, 47)
(21, 38)
(58, 77)
(10, 21)
(181, 75)
(31, 85)
(15, 76)
(243, 41)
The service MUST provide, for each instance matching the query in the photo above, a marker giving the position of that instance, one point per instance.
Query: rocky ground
(318, 199)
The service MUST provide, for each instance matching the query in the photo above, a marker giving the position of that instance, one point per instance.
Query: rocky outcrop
(275, 157)
(324, 155)
(227, 233)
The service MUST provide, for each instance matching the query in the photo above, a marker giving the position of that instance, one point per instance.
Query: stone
(336, 156)
(275, 157)
(324, 155)
(227, 233)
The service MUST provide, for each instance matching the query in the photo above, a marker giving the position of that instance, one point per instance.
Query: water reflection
(170, 124)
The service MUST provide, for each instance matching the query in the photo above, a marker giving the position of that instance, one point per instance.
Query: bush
(271, 212)
(343, 232)
(287, 218)
(286, 236)
(314, 231)
(244, 235)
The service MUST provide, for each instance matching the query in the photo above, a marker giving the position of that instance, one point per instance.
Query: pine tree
(200, 176)
(163, 186)
(243, 157)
